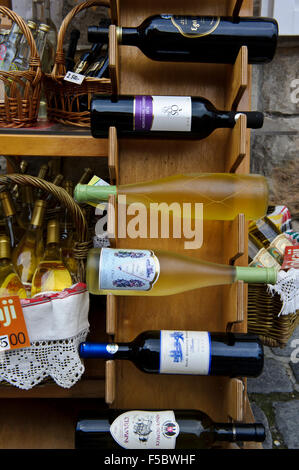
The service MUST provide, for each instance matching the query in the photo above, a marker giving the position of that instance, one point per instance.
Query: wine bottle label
(195, 26)
(145, 430)
(263, 259)
(162, 113)
(185, 352)
(278, 245)
(122, 269)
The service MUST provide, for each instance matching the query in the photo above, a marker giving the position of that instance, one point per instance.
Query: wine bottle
(27, 205)
(11, 220)
(185, 352)
(67, 237)
(10, 47)
(98, 68)
(258, 256)
(144, 272)
(10, 283)
(270, 236)
(70, 56)
(85, 177)
(41, 39)
(162, 429)
(51, 274)
(247, 194)
(42, 173)
(87, 58)
(41, 13)
(27, 254)
(162, 116)
(208, 39)
(22, 57)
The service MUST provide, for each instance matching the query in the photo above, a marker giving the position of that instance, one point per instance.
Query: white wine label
(162, 113)
(145, 430)
(185, 352)
(263, 259)
(195, 26)
(278, 245)
(122, 269)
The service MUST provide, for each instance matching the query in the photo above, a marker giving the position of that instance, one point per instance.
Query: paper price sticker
(13, 330)
(74, 78)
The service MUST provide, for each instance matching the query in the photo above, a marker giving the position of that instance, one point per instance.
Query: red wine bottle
(164, 429)
(70, 56)
(186, 352)
(209, 39)
(163, 116)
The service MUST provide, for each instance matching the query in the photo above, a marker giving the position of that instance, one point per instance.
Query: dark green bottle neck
(128, 36)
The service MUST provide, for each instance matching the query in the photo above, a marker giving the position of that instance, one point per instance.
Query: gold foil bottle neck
(38, 213)
(4, 247)
(27, 194)
(53, 231)
(7, 204)
(43, 171)
(69, 187)
(23, 166)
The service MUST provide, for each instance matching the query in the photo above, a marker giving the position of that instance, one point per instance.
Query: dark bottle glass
(207, 39)
(70, 56)
(186, 352)
(162, 116)
(179, 429)
(13, 226)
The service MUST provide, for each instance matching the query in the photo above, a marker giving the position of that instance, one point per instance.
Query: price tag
(74, 78)
(291, 257)
(13, 330)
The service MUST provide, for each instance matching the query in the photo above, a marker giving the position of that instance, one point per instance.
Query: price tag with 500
(13, 330)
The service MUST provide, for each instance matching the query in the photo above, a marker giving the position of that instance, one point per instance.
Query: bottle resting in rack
(163, 116)
(223, 195)
(208, 39)
(163, 429)
(144, 272)
(186, 353)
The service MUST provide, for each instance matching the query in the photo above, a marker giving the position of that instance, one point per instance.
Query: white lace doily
(287, 287)
(57, 324)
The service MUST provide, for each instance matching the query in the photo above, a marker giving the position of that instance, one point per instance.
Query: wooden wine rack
(223, 308)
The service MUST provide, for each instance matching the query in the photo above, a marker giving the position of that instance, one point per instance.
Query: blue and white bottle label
(122, 269)
(185, 352)
(145, 430)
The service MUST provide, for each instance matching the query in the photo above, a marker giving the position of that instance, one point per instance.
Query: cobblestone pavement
(274, 395)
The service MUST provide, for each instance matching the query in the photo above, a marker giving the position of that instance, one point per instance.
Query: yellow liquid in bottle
(50, 276)
(172, 274)
(10, 283)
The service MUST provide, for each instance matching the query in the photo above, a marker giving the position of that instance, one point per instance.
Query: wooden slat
(235, 239)
(111, 314)
(235, 7)
(233, 304)
(110, 382)
(114, 11)
(236, 146)
(235, 407)
(112, 220)
(237, 79)
(53, 145)
(113, 156)
(113, 60)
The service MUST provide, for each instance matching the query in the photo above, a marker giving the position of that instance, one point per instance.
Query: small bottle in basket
(161, 429)
(10, 47)
(51, 274)
(12, 223)
(21, 60)
(41, 13)
(10, 282)
(270, 236)
(29, 250)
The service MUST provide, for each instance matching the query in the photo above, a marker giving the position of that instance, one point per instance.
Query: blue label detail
(177, 352)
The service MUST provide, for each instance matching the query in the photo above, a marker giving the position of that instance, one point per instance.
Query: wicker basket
(264, 320)
(19, 104)
(63, 104)
(83, 242)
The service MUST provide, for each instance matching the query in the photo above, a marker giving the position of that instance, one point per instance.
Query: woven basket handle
(59, 193)
(34, 62)
(59, 66)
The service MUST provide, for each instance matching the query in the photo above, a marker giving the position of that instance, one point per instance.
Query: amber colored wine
(51, 274)
(10, 283)
(223, 195)
(144, 272)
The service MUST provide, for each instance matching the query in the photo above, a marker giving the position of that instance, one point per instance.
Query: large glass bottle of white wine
(223, 195)
(29, 250)
(10, 283)
(51, 274)
(147, 272)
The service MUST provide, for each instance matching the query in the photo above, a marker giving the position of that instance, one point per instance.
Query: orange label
(13, 330)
